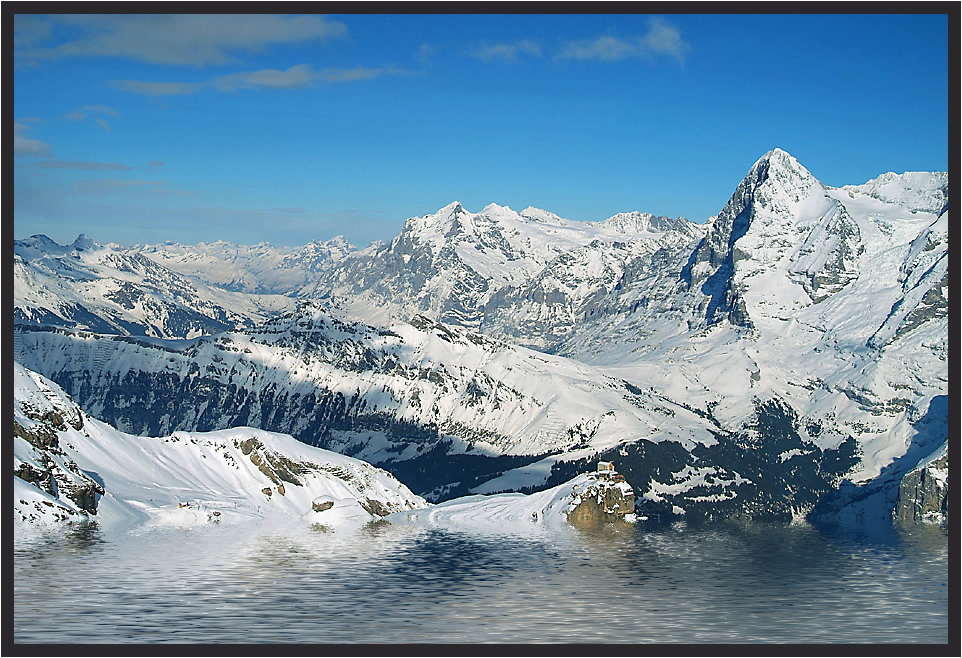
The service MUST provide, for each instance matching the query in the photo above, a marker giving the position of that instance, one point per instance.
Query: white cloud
(80, 165)
(84, 112)
(662, 38)
(507, 51)
(30, 30)
(157, 88)
(173, 39)
(87, 110)
(24, 146)
(357, 73)
(602, 48)
(665, 39)
(296, 77)
(426, 52)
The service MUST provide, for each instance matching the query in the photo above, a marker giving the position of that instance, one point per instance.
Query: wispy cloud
(507, 51)
(24, 146)
(30, 30)
(106, 189)
(145, 88)
(81, 165)
(357, 73)
(661, 39)
(296, 77)
(665, 39)
(105, 183)
(87, 110)
(426, 52)
(84, 112)
(602, 48)
(173, 39)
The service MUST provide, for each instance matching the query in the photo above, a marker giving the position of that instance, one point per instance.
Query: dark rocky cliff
(924, 494)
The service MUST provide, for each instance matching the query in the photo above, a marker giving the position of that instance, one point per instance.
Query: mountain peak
(493, 208)
(37, 246)
(784, 178)
(638, 222)
(84, 241)
(779, 159)
(539, 215)
(454, 207)
(778, 153)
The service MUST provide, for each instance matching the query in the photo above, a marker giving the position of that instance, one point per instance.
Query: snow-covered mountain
(494, 269)
(260, 269)
(833, 300)
(448, 412)
(70, 468)
(790, 356)
(109, 289)
(400, 397)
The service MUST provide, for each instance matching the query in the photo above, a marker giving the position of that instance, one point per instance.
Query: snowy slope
(106, 288)
(446, 411)
(511, 513)
(71, 467)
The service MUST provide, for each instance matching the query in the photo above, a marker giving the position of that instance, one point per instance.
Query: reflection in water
(387, 583)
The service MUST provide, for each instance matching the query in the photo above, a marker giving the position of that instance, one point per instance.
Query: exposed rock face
(604, 500)
(275, 466)
(49, 468)
(924, 493)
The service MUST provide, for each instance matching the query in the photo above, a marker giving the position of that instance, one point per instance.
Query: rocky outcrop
(924, 493)
(48, 467)
(274, 466)
(604, 499)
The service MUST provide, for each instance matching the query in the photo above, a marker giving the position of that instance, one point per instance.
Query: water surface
(400, 584)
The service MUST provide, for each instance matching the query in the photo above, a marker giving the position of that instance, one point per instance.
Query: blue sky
(286, 129)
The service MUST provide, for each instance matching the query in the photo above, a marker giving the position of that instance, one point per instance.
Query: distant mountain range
(788, 357)
(110, 289)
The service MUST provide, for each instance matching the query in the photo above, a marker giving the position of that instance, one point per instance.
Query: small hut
(606, 469)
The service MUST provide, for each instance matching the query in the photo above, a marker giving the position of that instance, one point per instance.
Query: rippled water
(400, 584)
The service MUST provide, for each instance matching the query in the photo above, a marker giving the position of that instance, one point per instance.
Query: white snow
(123, 288)
(191, 478)
(844, 289)
(509, 513)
